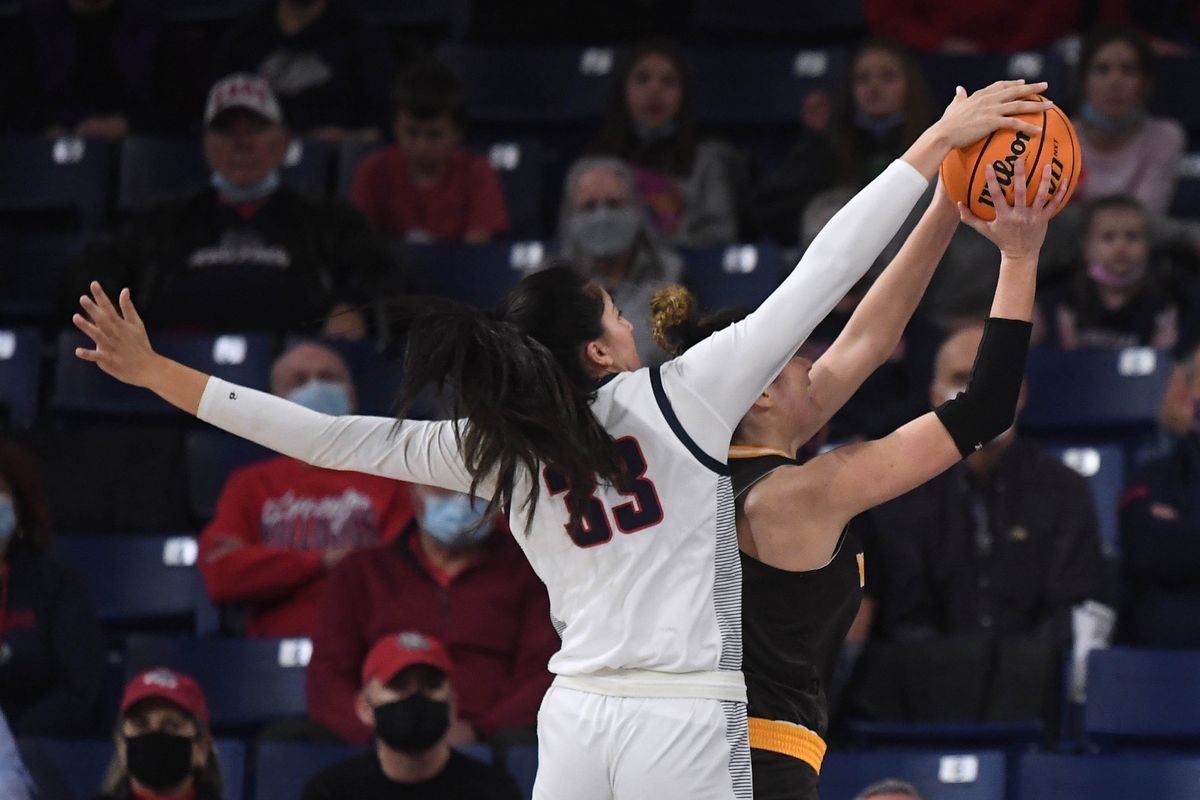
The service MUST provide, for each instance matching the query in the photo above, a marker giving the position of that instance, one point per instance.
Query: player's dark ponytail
(516, 375)
(675, 320)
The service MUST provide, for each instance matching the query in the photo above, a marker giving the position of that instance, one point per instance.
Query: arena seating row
(71, 770)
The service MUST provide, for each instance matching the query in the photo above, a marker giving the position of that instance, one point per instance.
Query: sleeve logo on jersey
(644, 509)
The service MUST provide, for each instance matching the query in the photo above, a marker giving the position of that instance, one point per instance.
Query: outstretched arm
(418, 452)
(723, 375)
(835, 487)
(875, 327)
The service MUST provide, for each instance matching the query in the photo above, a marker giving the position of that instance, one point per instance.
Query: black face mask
(159, 760)
(412, 725)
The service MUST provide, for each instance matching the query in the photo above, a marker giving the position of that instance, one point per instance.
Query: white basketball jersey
(653, 580)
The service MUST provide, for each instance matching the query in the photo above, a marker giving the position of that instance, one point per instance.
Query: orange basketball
(1057, 145)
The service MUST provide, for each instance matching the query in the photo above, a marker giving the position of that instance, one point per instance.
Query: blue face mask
(455, 520)
(1103, 122)
(233, 193)
(8, 520)
(878, 126)
(325, 397)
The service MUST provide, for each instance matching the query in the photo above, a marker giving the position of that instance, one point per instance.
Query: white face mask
(603, 232)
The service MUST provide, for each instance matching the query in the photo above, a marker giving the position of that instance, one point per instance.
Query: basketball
(962, 170)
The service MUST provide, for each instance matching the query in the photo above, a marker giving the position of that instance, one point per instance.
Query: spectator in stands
(15, 783)
(429, 187)
(883, 107)
(1115, 300)
(688, 186)
(1160, 527)
(606, 235)
(88, 67)
(983, 565)
(407, 703)
(164, 744)
(331, 71)
(890, 789)
(453, 574)
(1125, 150)
(961, 27)
(281, 525)
(51, 653)
(245, 252)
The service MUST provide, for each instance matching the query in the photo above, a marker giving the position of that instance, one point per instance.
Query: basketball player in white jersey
(614, 476)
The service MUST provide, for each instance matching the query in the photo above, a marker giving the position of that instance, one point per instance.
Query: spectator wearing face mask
(51, 649)
(280, 524)
(246, 252)
(454, 574)
(164, 747)
(1115, 300)
(407, 703)
(1160, 523)
(429, 188)
(605, 234)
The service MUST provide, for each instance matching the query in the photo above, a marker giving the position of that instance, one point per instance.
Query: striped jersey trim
(736, 733)
(727, 580)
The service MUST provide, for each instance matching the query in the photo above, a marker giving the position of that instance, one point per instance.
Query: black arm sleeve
(986, 409)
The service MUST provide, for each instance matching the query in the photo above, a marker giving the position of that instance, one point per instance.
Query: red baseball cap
(396, 651)
(166, 684)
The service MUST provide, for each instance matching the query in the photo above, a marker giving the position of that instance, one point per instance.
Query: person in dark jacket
(331, 71)
(164, 746)
(245, 253)
(447, 576)
(51, 652)
(407, 702)
(1160, 530)
(979, 576)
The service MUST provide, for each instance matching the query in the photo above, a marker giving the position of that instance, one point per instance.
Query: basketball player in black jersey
(802, 575)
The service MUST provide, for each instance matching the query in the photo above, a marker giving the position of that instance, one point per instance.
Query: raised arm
(723, 375)
(875, 327)
(838, 485)
(419, 452)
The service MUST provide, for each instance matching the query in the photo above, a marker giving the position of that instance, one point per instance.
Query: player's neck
(410, 768)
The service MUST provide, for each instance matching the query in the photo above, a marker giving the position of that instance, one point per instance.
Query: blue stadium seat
(32, 265)
(940, 776)
(155, 169)
(20, 366)
(519, 164)
(1186, 203)
(248, 682)
(73, 769)
(944, 72)
(1162, 777)
(158, 168)
(533, 84)
(1010, 736)
(1143, 696)
(284, 768)
(1103, 465)
(739, 275)
(775, 18)
(137, 581)
(522, 765)
(1175, 81)
(1101, 392)
(212, 455)
(57, 176)
(767, 86)
(479, 274)
(81, 388)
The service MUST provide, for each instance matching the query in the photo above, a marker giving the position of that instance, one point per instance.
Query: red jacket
(273, 524)
(493, 617)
